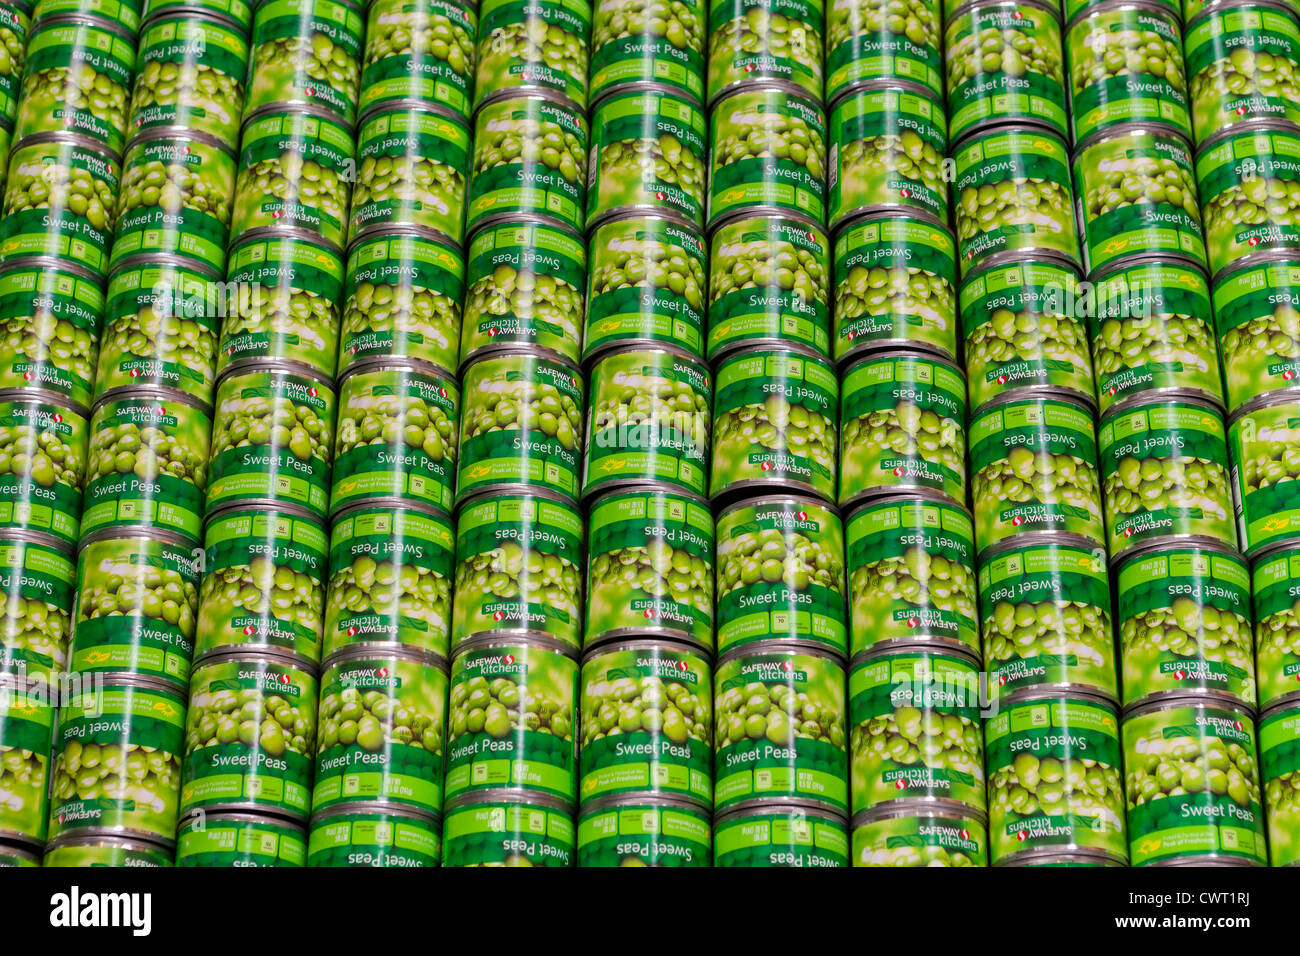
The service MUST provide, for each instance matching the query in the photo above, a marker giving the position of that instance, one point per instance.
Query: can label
(1277, 624)
(420, 50)
(37, 583)
(780, 838)
(43, 447)
(911, 574)
(263, 582)
(511, 724)
(412, 165)
(106, 851)
(124, 12)
(647, 723)
(15, 26)
(904, 426)
(914, 729)
(887, 149)
(249, 736)
(630, 46)
(645, 834)
(769, 278)
(1193, 785)
(1257, 310)
(306, 51)
(895, 284)
(148, 464)
(765, 40)
(374, 838)
(928, 838)
(781, 574)
(51, 316)
(1266, 493)
(217, 841)
(1279, 763)
(646, 283)
(26, 732)
(508, 833)
(390, 580)
(534, 44)
(1184, 625)
(776, 417)
(237, 10)
(518, 568)
(526, 287)
(650, 567)
(396, 437)
(866, 41)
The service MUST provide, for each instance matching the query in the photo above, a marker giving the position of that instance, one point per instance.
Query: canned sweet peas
(765, 40)
(420, 51)
(496, 830)
(26, 733)
(920, 836)
(644, 832)
(380, 835)
(541, 45)
(37, 584)
(661, 42)
(1257, 311)
(781, 836)
(1264, 442)
(240, 839)
(306, 52)
(867, 40)
(1279, 764)
(50, 315)
(43, 447)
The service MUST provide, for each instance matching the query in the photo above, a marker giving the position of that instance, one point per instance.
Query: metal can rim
(1142, 708)
(1154, 128)
(1124, 263)
(782, 646)
(362, 808)
(137, 532)
(780, 805)
(126, 393)
(674, 644)
(956, 652)
(82, 18)
(274, 366)
(1269, 399)
(411, 104)
(966, 6)
(184, 134)
(529, 639)
(929, 496)
(513, 796)
(1146, 398)
(44, 396)
(939, 807)
(1108, 6)
(350, 653)
(386, 503)
(394, 363)
(759, 501)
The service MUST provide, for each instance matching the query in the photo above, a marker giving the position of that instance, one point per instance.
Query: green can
(780, 730)
(528, 829)
(43, 449)
(379, 835)
(780, 835)
(60, 200)
(1193, 785)
(418, 50)
(868, 40)
(1243, 63)
(263, 587)
(305, 52)
(888, 140)
(776, 413)
(1126, 66)
(1164, 472)
(390, 579)
(1276, 603)
(15, 856)
(1264, 442)
(769, 283)
(117, 755)
(648, 421)
(412, 165)
(239, 839)
(160, 328)
(404, 292)
(646, 283)
(1045, 616)
(1257, 311)
(647, 155)
(1137, 195)
(536, 45)
(903, 416)
(37, 581)
(296, 168)
(250, 732)
(639, 831)
(647, 723)
(96, 851)
(914, 730)
(383, 715)
(1004, 62)
(272, 437)
(137, 597)
(15, 26)
(26, 733)
(518, 569)
(767, 149)
(780, 573)
(895, 286)
(920, 836)
(239, 11)
(396, 435)
(1054, 774)
(78, 80)
(1151, 331)
(1249, 178)
(530, 156)
(124, 12)
(1012, 193)
(50, 315)
(1185, 624)
(644, 41)
(772, 40)
(510, 729)
(526, 281)
(1033, 460)
(191, 72)
(650, 567)
(911, 567)
(1279, 763)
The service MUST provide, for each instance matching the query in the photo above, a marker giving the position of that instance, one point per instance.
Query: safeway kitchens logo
(369, 677)
(498, 664)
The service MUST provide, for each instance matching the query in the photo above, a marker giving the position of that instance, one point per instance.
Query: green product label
(37, 586)
(1279, 763)
(105, 854)
(895, 282)
(382, 721)
(1046, 619)
(237, 10)
(1266, 493)
(863, 45)
(44, 453)
(780, 839)
(147, 465)
(374, 838)
(53, 316)
(1054, 778)
(1257, 311)
(925, 839)
(511, 724)
(124, 12)
(647, 724)
(191, 77)
(1277, 623)
(306, 51)
(396, 437)
(911, 574)
(1193, 785)
(518, 568)
(26, 732)
(508, 834)
(765, 40)
(781, 575)
(1184, 625)
(1187, 9)
(646, 835)
(249, 737)
(390, 580)
(650, 567)
(637, 49)
(780, 730)
(15, 25)
(510, 55)
(242, 843)
(419, 49)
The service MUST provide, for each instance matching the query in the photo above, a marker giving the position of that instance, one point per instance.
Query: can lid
(40, 396)
(412, 366)
(1166, 544)
(1029, 695)
(1125, 264)
(1033, 393)
(410, 104)
(545, 94)
(285, 234)
(75, 140)
(85, 19)
(647, 801)
(1280, 396)
(777, 806)
(1152, 128)
(107, 839)
(138, 533)
(165, 261)
(182, 134)
(378, 503)
(865, 217)
(649, 642)
(189, 10)
(384, 231)
(947, 809)
(526, 639)
(654, 490)
(384, 650)
(201, 819)
(40, 538)
(48, 266)
(150, 393)
(780, 647)
(512, 796)
(803, 502)
(279, 367)
(758, 211)
(1141, 708)
(968, 6)
(1046, 539)
(764, 87)
(961, 654)
(886, 83)
(880, 356)
(362, 809)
